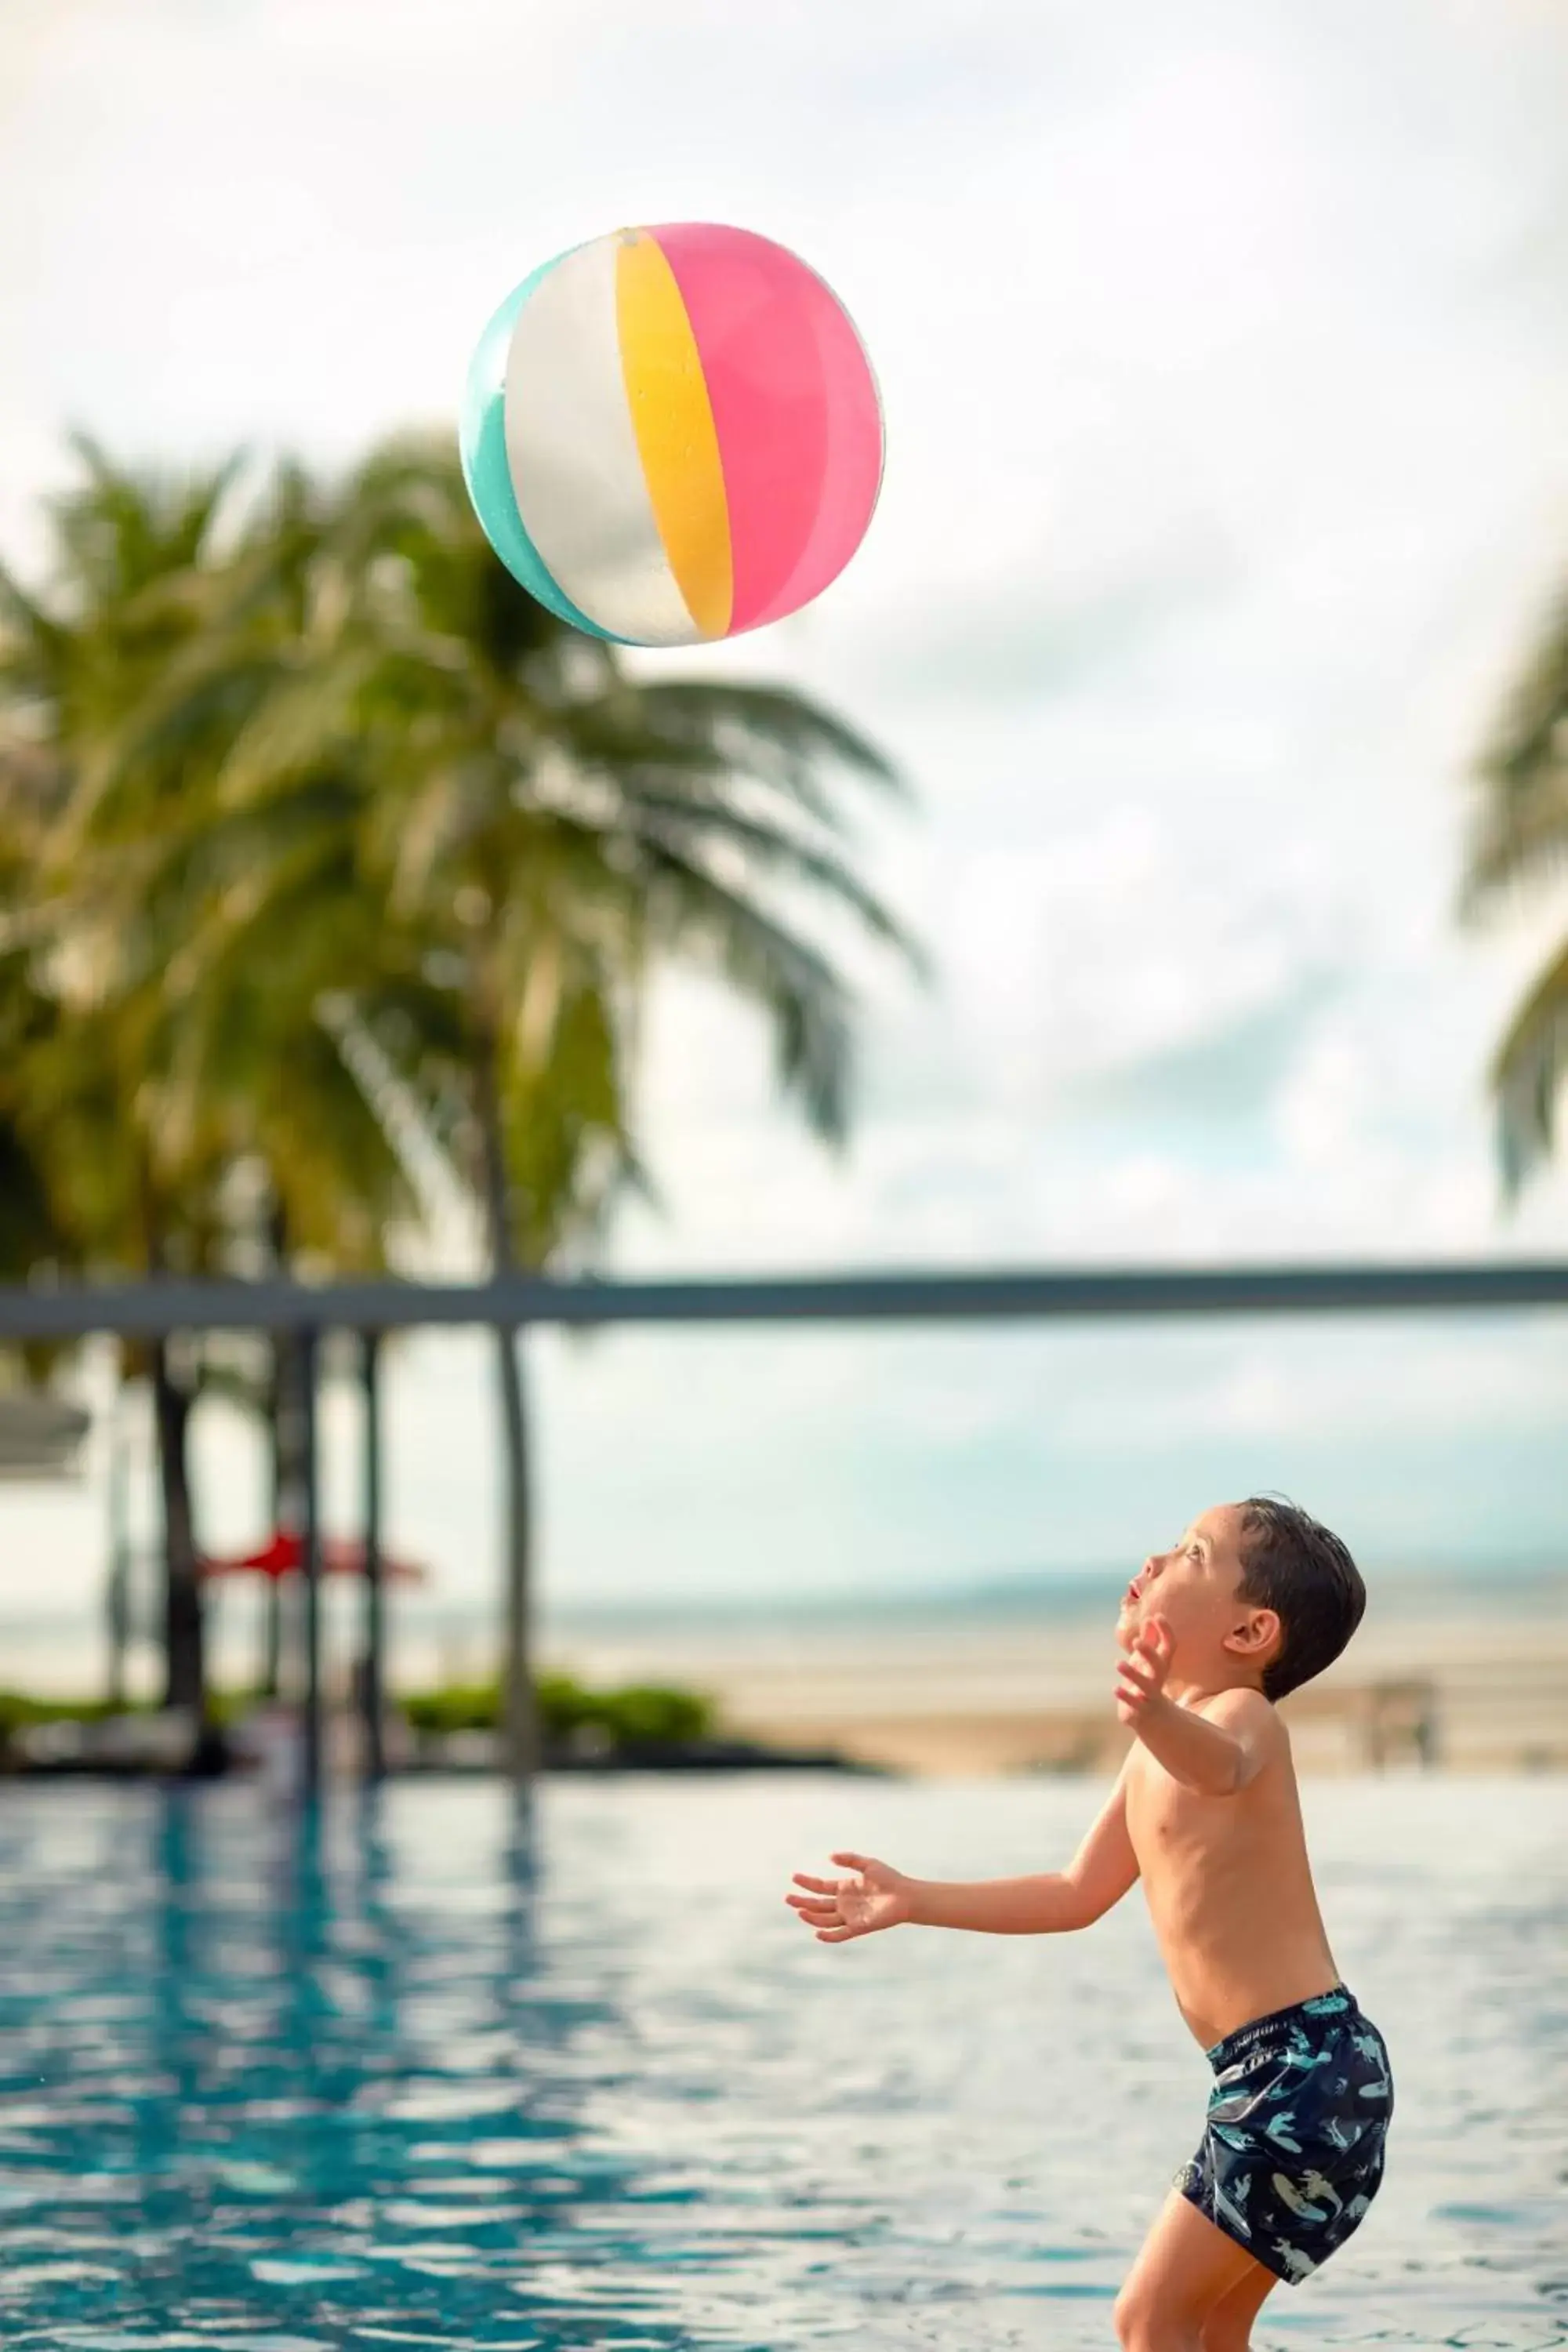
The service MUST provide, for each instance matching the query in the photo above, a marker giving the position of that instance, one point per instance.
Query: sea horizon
(1054, 1593)
(434, 1640)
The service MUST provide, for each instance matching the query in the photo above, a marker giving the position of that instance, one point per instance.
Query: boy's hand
(839, 1908)
(1141, 1676)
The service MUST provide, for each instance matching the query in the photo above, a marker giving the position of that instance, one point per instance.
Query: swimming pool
(415, 2076)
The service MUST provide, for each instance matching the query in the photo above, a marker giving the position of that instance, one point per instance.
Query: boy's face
(1193, 1588)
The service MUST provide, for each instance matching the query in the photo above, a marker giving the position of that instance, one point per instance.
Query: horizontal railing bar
(147, 1309)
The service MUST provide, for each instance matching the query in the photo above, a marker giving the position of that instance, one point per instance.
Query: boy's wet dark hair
(1296, 1567)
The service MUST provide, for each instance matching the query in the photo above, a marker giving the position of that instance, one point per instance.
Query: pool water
(424, 2072)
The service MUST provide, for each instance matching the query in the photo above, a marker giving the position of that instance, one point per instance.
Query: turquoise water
(420, 2076)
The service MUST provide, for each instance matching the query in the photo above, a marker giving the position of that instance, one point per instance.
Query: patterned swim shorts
(1292, 2150)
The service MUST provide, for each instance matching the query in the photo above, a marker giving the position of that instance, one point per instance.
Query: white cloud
(1270, 1384)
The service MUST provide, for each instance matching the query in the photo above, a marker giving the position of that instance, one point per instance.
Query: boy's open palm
(1141, 1676)
(839, 1908)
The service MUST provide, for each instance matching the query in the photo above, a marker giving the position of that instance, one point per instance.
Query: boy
(1254, 1599)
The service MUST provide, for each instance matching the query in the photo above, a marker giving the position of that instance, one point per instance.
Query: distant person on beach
(1254, 1599)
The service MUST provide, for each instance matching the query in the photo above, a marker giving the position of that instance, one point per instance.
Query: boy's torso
(1230, 1893)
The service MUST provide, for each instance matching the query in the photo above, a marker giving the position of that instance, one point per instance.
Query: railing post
(373, 1681)
(310, 1561)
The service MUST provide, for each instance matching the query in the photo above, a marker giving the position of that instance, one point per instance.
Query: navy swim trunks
(1292, 2150)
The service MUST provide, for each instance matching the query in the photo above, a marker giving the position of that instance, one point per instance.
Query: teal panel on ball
(481, 444)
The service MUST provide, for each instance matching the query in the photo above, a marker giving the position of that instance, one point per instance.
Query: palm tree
(33, 1236)
(200, 987)
(1519, 844)
(158, 1070)
(534, 833)
(74, 660)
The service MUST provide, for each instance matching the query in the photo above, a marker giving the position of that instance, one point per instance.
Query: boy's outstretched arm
(1048, 1903)
(1100, 1874)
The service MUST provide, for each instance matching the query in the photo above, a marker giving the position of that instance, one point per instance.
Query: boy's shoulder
(1237, 1709)
(1255, 1723)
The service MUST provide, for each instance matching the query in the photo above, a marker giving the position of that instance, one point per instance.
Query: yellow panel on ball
(573, 457)
(672, 417)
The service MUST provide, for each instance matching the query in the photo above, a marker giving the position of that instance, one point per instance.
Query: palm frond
(35, 638)
(1528, 1073)
(769, 721)
(1518, 835)
(804, 998)
(709, 825)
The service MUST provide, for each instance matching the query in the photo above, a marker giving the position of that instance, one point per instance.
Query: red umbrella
(283, 1555)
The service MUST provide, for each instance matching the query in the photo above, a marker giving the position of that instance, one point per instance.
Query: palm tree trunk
(184, 1646)
(118, 1596)
(519, 1715)
(282, 1431)
(184, 1649)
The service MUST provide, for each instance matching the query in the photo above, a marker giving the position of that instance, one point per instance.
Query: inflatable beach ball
(672, 435)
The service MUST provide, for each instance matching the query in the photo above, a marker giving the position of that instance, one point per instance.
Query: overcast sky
(1224, 353)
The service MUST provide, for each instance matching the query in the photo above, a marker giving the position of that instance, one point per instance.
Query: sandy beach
(1466, 1690)
(1454, 1677)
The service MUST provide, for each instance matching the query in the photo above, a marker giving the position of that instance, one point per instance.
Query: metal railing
(145, 1309)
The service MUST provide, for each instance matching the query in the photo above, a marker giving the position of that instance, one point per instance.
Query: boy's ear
(1256, 1636)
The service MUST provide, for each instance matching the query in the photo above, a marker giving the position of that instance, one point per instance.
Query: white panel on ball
(576, 471)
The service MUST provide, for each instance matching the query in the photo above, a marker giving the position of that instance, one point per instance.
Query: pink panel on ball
(796, 406)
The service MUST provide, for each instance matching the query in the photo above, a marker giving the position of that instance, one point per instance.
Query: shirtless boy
(1254, 1601)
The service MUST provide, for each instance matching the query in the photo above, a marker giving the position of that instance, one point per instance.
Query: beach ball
(672, 435)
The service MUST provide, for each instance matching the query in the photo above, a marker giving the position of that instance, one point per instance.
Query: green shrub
(643, 1713)
(646, 1713)
(19, 1711)
(227, 1707)
(460, 1706)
